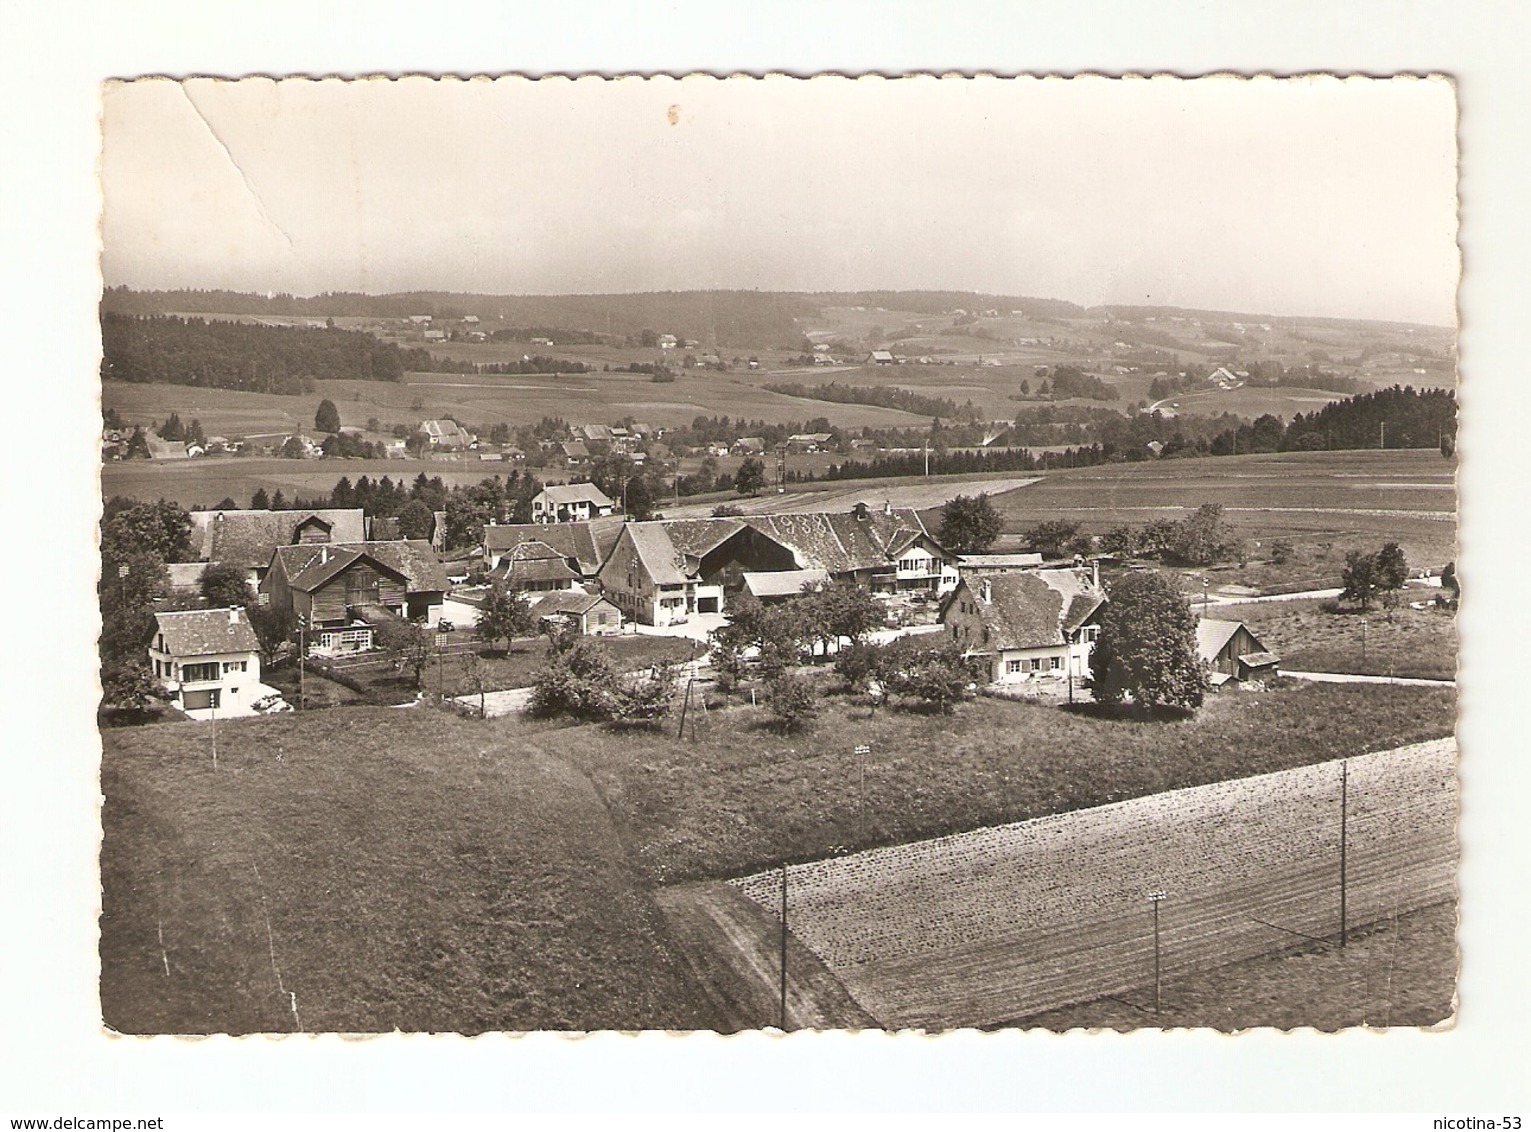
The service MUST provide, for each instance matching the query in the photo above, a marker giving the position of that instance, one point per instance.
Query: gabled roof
(664, 563)
(247, 538)
(207, 632)
(327, 566)
(562, 494)
(1030, 610)
(782, 583)
(574, 448)
(1212, 634)
(577, 602)
(578, 541)
(535, 561)
(414, 559)
(697, 537)
(841, 542)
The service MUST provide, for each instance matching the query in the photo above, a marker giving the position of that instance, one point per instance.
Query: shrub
(792, 701)
(579, 682)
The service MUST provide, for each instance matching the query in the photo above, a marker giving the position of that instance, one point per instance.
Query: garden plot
(998, 924)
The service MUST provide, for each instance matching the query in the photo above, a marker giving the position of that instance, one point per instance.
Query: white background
(55, 1058)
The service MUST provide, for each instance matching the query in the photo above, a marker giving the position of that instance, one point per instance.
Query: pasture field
(1405, 642)
(1001, 923)
(410, 870)
(742, 797)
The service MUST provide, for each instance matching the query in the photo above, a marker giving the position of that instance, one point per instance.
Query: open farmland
(1324, 503)
(1404, 642)
(1001, 923)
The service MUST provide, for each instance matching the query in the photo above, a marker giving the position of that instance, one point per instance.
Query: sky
(1316, 196)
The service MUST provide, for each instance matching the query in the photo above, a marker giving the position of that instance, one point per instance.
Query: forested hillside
(234, 355)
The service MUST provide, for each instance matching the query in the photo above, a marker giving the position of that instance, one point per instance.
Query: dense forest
(234, 355)
(1399, 417)
(885, 396)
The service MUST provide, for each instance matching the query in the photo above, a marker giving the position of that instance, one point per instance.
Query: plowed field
(1006, 922)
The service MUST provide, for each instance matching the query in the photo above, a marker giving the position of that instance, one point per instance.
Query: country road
(992, 926)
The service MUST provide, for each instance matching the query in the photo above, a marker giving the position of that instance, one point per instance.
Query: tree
(1392, 567)
(1054, 537)
(128, 684)
(1358, 580)
(474, 679)
(1146, 650)
(1204, 538)
(224, 586)
(645, 700)
(840, 608)
(1282, 552)
(138, 445)
(969, 525)
(641, 497)
(792, 701)
(417, 520)
(409, 645)
(577, 681)
(327, 419)
(161, 528)
(935, 673)
(750, 479)
(273, 629)
(292, 449)
(504, 616)
(131, 579)
(226, 504)
(172, 429)
(260, 501)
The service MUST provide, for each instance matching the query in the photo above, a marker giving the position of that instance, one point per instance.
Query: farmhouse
(1233, 652)
(447, 435)
(570, 503)
(887, 550)
(342, 590)
(535, 567)
(660, 573)
(1030, 625)
(160, 449)
(248, 539)
(807, 441)
(208, 661)
(880, 358)
(575, 452)
(590, 613)
(584, 546)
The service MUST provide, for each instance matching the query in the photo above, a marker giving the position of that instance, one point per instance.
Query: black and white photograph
(778, 554)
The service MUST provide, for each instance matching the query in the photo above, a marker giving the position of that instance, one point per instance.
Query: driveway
(1357, 678)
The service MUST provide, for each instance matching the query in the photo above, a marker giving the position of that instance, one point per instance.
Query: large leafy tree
(1392, 567)
(969, 524)
(1146, 651)
(273, 628)
(750, 479)
(933, 672)
(504, 616)
(417, 520)
(327, 419)
(1358, 580)
(1204, 537)
(224, 586)
(840, 608)
(1057, 538)
(128, 527)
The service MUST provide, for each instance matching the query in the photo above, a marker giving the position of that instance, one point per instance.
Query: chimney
(1095, 573)
(234, 617)
(988, 592)
(324, 555)
(887, 506)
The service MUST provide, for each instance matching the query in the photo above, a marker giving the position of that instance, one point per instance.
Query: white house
(570, 503)
(1031, 625)
(208, 661)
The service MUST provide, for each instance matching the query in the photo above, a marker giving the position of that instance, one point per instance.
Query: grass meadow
(1401, 642)
(419, 871)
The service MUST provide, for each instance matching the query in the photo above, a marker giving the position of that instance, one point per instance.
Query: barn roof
(571, 540)
(841, 542)
(414, 559)
(247, 538)
(1212, 635)
(206, 632)
(782, 583)
(566, 601)
(662, 560)
(697, 537)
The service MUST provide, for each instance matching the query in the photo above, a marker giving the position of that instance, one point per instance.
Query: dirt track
(1002, 923)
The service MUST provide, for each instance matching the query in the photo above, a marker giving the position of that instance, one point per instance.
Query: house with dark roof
(534, 567)
(886, 549)
(1030, 625)
(208, 662)
(1233, 652)
(591, 614)
(570, 503)
(247, 539)
(341, 590)
(583, 545)
(574, 452)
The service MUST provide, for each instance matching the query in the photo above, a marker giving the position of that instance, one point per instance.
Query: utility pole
(1344, 803)
(302, 663)
(784, 947)
(215, 734)
(441, 676)
(1382, 434)
(862, 751)
(1154, 898)
(1363, 640)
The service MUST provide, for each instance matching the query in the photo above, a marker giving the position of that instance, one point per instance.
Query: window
(236, 666)
(1036, 664)
(1055, 662)
(191, 673)
(1012, 666)
(1092, 632)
